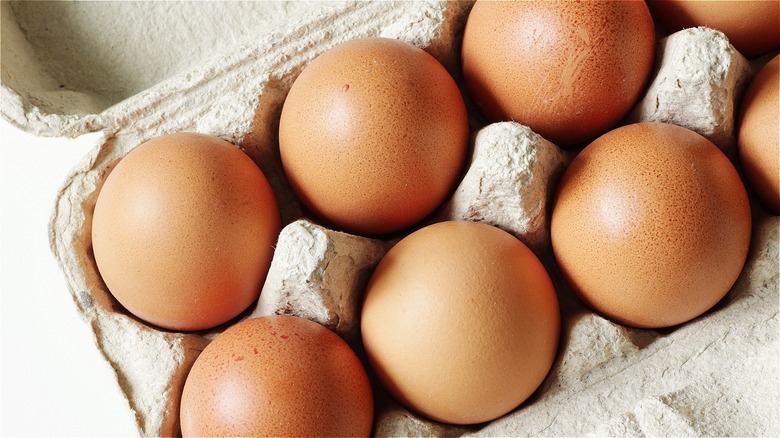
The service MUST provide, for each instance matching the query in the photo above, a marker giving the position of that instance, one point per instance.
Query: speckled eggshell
(752, 26)
(277, 376)
(183, 231)
(651, 225)
(568, 70)
(373, 135)
(460, 322)
(758, 137)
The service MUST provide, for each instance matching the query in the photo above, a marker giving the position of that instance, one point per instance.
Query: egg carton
(126, 72)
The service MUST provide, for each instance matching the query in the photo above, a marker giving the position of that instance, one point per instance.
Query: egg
(758, 137)
(373, 135)
(568, 70)
(460, 322)
(651, 225)
(752, 27)
(277, 376)
(183, 231)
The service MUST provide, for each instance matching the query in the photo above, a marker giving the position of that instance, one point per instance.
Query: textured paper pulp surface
(106, 69)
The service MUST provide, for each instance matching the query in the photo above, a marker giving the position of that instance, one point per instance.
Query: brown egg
(759, 134)
(183, 231)
(277, 376)
(373, 135)
(651, 225)
(568, 70)
(752, 26)
(460, 322)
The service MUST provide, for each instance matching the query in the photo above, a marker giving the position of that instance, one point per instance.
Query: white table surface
(53, 381)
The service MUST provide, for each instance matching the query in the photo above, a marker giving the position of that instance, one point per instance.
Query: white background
(53, 381)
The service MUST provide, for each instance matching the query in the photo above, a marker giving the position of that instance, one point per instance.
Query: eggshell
(568, 70)
(752, 26)
(651, 225)
(460, 322)
(373, 135)
(759, 134)
(277, 376)
(183, 231)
